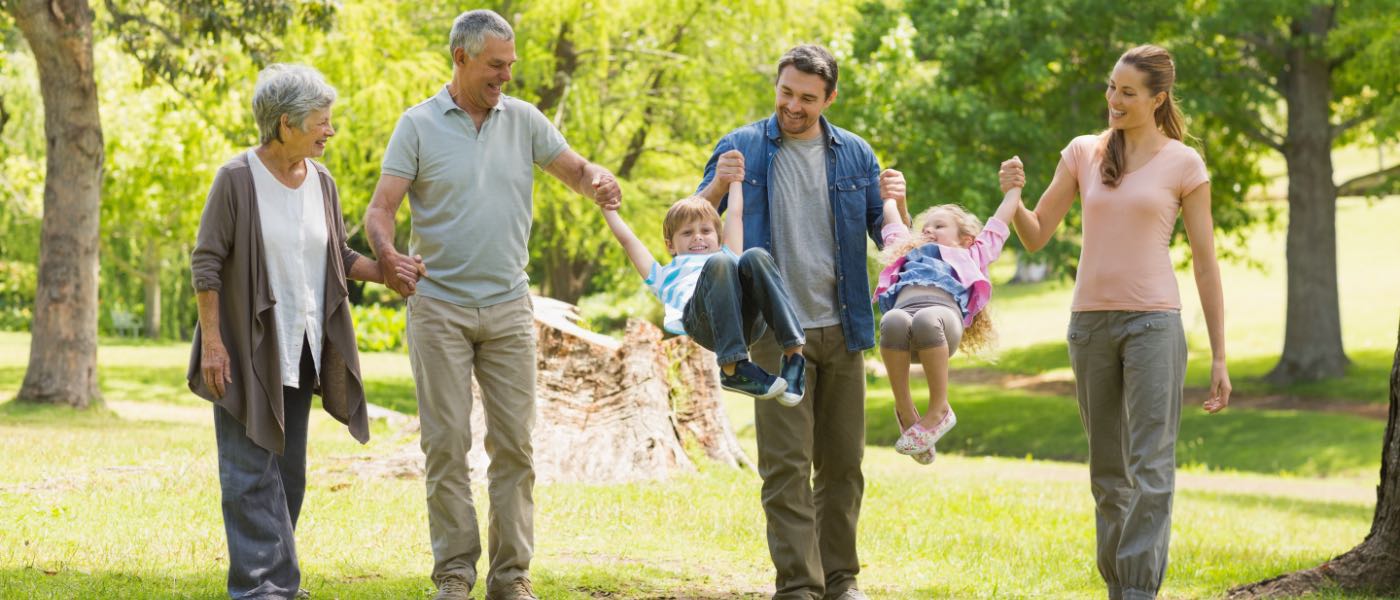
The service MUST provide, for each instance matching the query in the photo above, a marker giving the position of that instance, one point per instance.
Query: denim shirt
(853, 187)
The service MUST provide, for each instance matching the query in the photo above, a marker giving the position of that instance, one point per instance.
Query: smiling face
(481, 79)
(801, 98)
(1131, 103)
(942, 228)
(309, 140)
(696, 236)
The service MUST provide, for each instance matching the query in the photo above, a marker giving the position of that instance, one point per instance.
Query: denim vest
(853, 187)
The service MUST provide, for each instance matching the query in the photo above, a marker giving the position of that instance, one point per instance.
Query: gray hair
(292, 90)
(470, 29)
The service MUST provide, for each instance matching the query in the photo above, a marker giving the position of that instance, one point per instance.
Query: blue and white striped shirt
(675, 282)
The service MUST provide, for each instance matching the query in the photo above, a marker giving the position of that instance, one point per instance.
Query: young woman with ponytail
(1126, 342)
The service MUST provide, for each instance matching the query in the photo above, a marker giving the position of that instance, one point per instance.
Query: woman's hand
(1012, 175)
(215, 365)
(1219, 387)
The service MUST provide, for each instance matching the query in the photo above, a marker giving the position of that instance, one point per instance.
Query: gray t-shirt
(470, 199)
(804, 245)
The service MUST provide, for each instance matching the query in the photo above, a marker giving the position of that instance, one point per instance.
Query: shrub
(379, 328)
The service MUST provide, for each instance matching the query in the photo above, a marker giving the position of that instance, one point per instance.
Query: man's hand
(401, 273)
(892, 186)
(729, 169)
(607, 194)
(214, 364)
(1012, 174)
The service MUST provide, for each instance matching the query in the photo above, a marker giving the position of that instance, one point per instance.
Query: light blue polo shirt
(470, 198)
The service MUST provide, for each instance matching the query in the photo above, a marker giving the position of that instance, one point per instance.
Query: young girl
(932, 291)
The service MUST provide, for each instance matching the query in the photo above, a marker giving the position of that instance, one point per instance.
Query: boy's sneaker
(750, 380)
(917, 440)
(794, 372)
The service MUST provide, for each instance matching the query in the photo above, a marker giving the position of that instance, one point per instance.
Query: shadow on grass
(1320, 509)
(395, 394)
(1367, 379)
(629, 580)
(994, 422)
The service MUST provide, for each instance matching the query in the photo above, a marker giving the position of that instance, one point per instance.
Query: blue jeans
(262, 494)
(724, 314)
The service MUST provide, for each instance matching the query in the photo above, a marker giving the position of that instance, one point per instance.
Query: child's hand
(729, 169)
(892, 185)
(607, 194)
(1012, 174)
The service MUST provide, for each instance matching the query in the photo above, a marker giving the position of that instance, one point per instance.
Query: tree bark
(1373, 566)
(1312, 343)
(151, 282)
(607, 411)
(63, 351)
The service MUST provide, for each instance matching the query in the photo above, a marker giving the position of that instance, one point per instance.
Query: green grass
(131, 510)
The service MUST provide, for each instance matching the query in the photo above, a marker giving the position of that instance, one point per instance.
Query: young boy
(718, 297)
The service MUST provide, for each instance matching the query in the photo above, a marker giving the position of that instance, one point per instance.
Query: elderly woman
(270, 267)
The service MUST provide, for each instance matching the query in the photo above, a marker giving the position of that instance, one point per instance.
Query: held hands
(607, 194)
(401, 273)
(1012, 174)
(729, 169)
(1219, 387)
(892, 186)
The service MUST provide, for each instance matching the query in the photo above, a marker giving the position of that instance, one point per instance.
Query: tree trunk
(1373, 566)
(63, 348)
(608, 411)
(1312, 342)
(151, 281)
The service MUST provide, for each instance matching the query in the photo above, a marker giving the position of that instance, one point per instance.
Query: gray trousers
(262, 494)
(1129, 371)
(448, 343)
(809, 457)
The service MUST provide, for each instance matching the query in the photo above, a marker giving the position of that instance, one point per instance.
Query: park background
(1289, 101)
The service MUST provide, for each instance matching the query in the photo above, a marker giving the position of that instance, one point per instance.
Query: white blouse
(294, 244)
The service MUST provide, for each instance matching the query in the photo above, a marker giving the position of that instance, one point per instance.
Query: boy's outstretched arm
(734, 219)
(637, 252)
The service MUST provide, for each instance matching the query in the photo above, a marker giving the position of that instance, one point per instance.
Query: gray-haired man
(465, 157)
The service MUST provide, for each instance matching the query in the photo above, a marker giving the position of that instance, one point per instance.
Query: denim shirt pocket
(850, 196)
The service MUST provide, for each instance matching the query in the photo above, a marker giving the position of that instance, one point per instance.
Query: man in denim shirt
(812, 194)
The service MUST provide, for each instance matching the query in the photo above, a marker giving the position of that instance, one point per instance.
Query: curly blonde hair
(980, 336)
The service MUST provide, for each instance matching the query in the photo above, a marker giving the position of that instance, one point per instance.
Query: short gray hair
(292, 90)
(470, 29)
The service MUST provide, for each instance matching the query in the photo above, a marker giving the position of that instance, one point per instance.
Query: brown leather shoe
(517, 589)
(454, 588)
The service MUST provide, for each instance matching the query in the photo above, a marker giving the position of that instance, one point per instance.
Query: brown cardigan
(228, 259)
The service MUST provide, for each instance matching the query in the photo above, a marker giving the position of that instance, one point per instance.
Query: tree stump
(607, 411)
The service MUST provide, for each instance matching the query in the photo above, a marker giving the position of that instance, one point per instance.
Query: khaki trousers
(1129, 371)
(809, 457)
(447, 344)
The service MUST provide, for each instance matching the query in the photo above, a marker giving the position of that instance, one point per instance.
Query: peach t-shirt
(1124, 263)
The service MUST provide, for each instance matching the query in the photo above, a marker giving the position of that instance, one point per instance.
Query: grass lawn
(123, 502)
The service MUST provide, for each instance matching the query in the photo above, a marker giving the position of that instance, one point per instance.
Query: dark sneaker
(794, 372)
(750, 380)
(517, 589)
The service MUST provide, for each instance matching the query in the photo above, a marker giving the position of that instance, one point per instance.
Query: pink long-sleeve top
(969, 264)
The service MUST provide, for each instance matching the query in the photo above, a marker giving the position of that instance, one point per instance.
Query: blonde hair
(686, 210)
(980, 336)
(1156, 63)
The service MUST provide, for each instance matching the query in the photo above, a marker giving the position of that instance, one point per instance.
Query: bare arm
(587, 179)
(637, 252)
(1035, 227)
(213, 360)
(379, 228)
(734, 219)
(1200, 233)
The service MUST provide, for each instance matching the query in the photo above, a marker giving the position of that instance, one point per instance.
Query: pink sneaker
(923, 458)
(917, 440)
